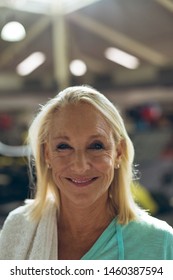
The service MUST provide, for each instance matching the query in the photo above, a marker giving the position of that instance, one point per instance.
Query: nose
(80, 163)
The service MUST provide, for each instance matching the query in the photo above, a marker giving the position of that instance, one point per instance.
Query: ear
(119, 151)
(119, 154)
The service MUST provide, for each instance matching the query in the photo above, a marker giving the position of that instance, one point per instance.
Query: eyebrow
(67, 138)
(61, 137)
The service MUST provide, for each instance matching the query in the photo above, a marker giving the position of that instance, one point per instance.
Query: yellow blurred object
(143, 198)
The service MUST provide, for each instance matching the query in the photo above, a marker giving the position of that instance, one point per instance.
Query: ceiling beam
(166, 4)
(119, 39)
(60, 50)
(37, 28)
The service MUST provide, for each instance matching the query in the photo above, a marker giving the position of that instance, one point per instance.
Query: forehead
(79, 118)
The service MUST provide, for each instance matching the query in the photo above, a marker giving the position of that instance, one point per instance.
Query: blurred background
(122, 48)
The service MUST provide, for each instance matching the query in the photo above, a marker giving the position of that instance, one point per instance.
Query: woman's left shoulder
(152, 238)
(146, 222)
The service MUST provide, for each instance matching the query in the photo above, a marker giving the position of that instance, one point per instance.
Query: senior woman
(83, 207)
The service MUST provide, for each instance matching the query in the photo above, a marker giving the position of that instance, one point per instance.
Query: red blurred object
(5, 121)
(151, 113)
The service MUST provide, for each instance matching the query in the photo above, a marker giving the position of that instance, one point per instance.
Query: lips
(82, 182)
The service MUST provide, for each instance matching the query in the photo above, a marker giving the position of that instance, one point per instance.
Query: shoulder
(149, 229)
(16, 221)
(19, 214)
(21, 210)
(149, 238)
(16, 233)
(154, 223)
(147, 223)
(19, 231)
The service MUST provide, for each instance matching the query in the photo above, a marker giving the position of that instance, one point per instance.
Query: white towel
(22, 239)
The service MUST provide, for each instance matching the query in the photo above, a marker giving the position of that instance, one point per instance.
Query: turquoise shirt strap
(120, 242)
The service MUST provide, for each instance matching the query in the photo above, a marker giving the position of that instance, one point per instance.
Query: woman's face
(82, 154)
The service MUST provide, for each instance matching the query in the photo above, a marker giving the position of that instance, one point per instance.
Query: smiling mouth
(82, 182)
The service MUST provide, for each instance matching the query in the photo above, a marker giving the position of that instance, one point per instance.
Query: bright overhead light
(78, 67)
(45, 6)
(122, 58)
(13, 31)
(32, 62)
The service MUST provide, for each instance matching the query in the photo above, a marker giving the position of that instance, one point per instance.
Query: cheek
(106, 168)
(105, 164)
(59, 165)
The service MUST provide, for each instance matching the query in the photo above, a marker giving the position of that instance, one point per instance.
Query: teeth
(77, 181)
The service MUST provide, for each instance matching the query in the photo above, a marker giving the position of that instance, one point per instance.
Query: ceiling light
(32, 62)
(122, 58)
(78, 67)
(13, 31)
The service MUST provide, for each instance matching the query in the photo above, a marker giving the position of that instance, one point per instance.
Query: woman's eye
(63, 146)
(97, 146)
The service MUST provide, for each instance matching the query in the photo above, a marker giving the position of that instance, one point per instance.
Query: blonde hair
(119, 191)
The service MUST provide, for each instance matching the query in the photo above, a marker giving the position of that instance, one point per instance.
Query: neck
(85, 220)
